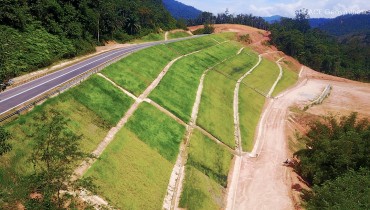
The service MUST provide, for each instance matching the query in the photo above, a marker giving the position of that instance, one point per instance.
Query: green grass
(83, 121)
(150, 38)
(157, 130)
(100, 96)
(130, 174)
(200, 192)
(177, 90)
(250, 109)
(216, 107)
(83, 105)
(264, 76)
(138, 70)
(178, 34)
(209, 158)
(289, 79)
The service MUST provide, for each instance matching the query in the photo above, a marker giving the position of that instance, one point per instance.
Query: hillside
(181, 11)
(182, 124)
(347, 25)
(34, 34)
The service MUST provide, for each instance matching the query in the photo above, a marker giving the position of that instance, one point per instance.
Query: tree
(333, 147)
(4, 138)
(349, 191)
(55, 153)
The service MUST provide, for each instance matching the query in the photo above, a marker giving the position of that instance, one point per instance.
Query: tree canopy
(336, 162)
(349, 57)
(36, 33)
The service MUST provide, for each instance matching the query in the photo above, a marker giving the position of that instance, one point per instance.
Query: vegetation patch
(200, 192)
(100, 96)
(177, 90)
(138, 70)
(157, 130)
(216, 108)
(250, 110)
(177, 34)
(289, 79)
(150, 38)
(16, 164)
(130, 174)
(209, 158)
(263, 77)
(336, 162)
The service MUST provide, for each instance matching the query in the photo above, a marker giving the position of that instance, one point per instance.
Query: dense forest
(226, 17)
(345, 57)
(336, 163)
(36, 33)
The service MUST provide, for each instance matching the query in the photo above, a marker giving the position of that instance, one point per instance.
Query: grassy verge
(152, 37)
(200, 192)
(157, 130)
(178, 34)
(130, 174)
(264, 76)
(209, 158)
(250, 109)
(100, 96)
(216, 108)
(289, 79)
(137, 71)
(177, 90)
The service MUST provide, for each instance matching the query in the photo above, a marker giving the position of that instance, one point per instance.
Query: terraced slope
(134, 169)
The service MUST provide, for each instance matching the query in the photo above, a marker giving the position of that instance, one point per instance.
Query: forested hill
(348, 56)
(347, 24)
(180, 10)
(36, 33)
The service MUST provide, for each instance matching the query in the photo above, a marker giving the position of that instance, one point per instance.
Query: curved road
(19, 95)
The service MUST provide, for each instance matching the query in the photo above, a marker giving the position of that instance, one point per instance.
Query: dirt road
(264, 183)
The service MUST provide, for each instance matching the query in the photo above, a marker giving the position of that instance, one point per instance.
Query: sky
(286, 8)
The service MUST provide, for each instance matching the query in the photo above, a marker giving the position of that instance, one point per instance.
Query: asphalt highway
(22, 94)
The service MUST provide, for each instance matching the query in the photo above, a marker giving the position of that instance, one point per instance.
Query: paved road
(26, 92)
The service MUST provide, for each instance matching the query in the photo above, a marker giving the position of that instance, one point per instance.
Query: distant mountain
(273, 19)
(179, 10)
(316, 22)
(347, 24)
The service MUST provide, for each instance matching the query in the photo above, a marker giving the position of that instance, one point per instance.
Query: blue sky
(287, 8)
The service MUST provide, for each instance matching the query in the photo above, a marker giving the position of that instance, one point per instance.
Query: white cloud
(323, 8)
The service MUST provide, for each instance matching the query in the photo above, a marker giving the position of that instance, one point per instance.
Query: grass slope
(200, 192)
(209, 158)
(138, 70)
(84, 105)
(152, 37)
(157, 130)
(130, 174)
(250, 109)
(264, 76)
(216, 107)
(177, 90)
(100, 96)
(178, 34)
(289, 79)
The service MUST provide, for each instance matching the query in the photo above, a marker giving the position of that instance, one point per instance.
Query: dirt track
(264, 182)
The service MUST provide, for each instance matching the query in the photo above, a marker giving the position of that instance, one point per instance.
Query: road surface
(22, 94)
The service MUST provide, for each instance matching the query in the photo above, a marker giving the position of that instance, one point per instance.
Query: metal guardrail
(60, 88)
